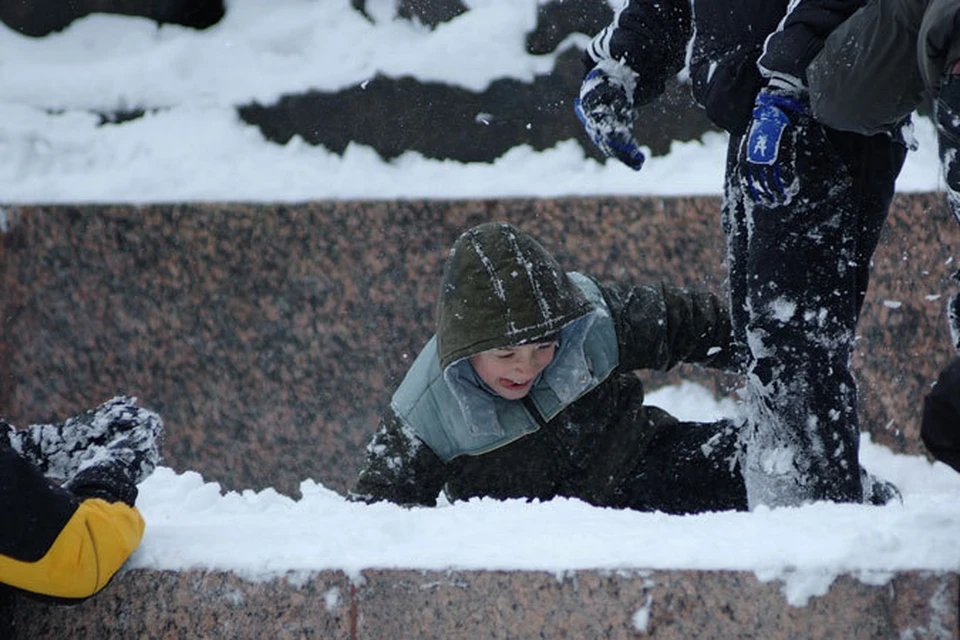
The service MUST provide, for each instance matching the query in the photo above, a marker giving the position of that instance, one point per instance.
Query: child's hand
(605, 108)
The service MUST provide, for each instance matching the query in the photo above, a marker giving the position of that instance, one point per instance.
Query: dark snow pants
(798, 277)
(686, 467)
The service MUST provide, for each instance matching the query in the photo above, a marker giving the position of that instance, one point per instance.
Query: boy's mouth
(507, 383)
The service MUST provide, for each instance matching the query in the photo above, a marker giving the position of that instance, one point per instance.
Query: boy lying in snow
(527, 390)
(68, 541)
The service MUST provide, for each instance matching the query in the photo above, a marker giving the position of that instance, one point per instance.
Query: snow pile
(192, 524)
(191, 145)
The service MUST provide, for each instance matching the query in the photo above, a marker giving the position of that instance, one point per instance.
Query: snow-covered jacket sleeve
(800, 37)
(738, 46)
(399, 467)
(659, 326)
(728, 39)
(940, 427)
(651, 37)
(54, 543)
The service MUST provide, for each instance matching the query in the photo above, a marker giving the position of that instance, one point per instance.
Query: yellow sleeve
(89, 550)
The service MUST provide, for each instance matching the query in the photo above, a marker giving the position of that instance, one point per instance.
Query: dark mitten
(948, 136)
(768, 153)
(605, 108)
(59, 449)
(108, 480)
(115, 470)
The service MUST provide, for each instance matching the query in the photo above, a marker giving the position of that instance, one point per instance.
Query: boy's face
(510, 371)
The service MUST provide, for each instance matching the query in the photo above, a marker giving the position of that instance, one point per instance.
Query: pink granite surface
(270, 337)
(468, 605)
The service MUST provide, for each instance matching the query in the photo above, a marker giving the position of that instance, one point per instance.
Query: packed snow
(192, 146)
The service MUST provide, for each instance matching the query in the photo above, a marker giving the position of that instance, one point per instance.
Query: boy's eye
(504, 355)
(546, 345)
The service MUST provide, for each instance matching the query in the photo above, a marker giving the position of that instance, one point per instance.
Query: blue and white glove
(768, 154)
(605, 108)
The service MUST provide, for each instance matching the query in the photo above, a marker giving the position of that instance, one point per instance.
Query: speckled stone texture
(454, 605)
(270, 337)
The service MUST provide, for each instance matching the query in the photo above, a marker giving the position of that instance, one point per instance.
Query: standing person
(889, 59)
(802, 211)
(67, 542)
(527, 390)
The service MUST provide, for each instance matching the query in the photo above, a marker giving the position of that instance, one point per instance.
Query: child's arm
(649, 37)
(56, 543)
(659, 326)
(399, 468)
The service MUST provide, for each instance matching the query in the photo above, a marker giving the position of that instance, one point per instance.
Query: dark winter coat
(883, 63)
(583, 430)
(54, 542)
(730, 47)
(940, 428)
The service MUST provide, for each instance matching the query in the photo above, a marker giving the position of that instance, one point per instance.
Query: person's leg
(874, 163)
(686, 467)
(805, 281)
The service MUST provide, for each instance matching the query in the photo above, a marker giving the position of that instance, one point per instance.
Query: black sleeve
(940, 426)
(56, 545)
(727, 42)
(35, 510)
(399, 468)
(792, 47)
(659, 326)
(651, 37)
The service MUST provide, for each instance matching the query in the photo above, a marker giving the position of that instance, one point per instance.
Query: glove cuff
(788, 103)
(786, 84)
(109, 481)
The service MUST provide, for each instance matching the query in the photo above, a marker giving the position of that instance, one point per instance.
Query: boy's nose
(524, 364)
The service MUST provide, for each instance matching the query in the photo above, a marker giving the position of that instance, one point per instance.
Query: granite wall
(270, 337)
(465, 605)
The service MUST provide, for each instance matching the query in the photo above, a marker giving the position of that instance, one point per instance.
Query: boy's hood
(501, 288)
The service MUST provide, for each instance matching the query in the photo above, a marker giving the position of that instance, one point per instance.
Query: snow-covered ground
(194, 147)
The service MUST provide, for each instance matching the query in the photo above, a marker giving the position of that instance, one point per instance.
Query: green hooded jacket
(583, 430)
